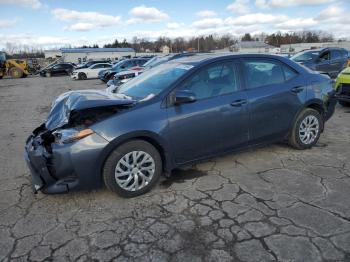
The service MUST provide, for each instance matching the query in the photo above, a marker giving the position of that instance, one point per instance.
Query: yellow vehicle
(13, 67)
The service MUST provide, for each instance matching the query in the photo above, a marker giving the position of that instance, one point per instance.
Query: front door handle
(297, 89)
(239, 102)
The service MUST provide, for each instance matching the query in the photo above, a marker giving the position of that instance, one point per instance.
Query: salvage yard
(272, 203)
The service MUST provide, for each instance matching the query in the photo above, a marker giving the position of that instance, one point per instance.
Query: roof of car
(324, 48)
(198, 58)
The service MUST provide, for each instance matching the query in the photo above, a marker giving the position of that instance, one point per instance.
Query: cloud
(174, 25)
(256, 18)
(208, 23)
(330, 12)
(239, 7)
(144, 14)
(35, 4)
(206, 13)
(7, 23)
(286, 3)
(297, 24)
(85, 21)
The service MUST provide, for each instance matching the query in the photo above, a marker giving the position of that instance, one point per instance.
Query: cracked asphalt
(269, 204)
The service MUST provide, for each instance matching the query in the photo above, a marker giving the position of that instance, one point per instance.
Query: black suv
(58, 69)
(330, 60)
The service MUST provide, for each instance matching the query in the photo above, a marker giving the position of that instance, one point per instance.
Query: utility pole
(198, 44)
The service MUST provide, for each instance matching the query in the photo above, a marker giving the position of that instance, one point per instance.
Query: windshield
(157, 61)
(117, 64)
(153, 81)
(305, 56)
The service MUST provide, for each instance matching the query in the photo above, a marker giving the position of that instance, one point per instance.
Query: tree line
(214, 42)
(181, 44)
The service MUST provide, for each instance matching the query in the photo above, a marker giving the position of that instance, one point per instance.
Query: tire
(82, 76)
(307, 118)
(48, 74)
(343, 103)
(15, 72)
(115, 165)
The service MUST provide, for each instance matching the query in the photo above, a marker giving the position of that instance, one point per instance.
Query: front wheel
(82, 76)
(132, 169)
(306, 129)
(15, 72)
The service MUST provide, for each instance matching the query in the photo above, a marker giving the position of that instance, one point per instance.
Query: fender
(153, 138)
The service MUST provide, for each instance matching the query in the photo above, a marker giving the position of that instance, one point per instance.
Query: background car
(328, 61)
(173, 115)
(58, 70)
(90, 63)
(124, 76)
(90, 72)
(106, 75)
(342, 86)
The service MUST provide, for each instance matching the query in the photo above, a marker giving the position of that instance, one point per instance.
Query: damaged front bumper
(59, 168)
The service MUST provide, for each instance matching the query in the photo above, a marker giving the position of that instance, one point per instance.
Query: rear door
(337, 63)
(217, 121)
(57, 70)
(275, 92)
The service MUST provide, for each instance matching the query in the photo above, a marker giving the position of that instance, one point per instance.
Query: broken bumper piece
(61, 168)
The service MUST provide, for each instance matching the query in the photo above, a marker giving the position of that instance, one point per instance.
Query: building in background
(253, 47)
(80, 55)
(52, 54)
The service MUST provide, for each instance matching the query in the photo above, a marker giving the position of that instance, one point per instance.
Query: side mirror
(184, 96)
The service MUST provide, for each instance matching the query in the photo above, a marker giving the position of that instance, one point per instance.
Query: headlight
(65, 136)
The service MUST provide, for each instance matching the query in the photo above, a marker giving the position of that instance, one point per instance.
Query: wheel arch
(150, 137)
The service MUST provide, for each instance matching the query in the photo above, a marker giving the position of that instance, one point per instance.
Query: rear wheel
(82, 76)
(343, 103)
(15, 72)
(306, 129)
(132, 169)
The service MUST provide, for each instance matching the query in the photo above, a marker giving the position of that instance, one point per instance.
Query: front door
(217, 121)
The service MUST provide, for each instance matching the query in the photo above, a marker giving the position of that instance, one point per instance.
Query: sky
(49, 24)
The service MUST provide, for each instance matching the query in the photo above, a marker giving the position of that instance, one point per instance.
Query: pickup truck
(330, 60)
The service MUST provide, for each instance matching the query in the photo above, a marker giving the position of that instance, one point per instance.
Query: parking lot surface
(269, 204)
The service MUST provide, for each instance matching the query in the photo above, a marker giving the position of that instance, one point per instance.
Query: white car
(90, 72)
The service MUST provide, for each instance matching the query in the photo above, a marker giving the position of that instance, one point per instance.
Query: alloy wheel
(134, 170)
(308, 129)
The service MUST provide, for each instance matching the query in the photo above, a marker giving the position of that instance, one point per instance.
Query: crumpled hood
(71, 101)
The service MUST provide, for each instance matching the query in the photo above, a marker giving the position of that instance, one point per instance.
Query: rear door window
(336, 54)
(260, 73)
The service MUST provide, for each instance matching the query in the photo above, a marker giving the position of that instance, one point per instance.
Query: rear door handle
(297, 89)
(239, 102)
